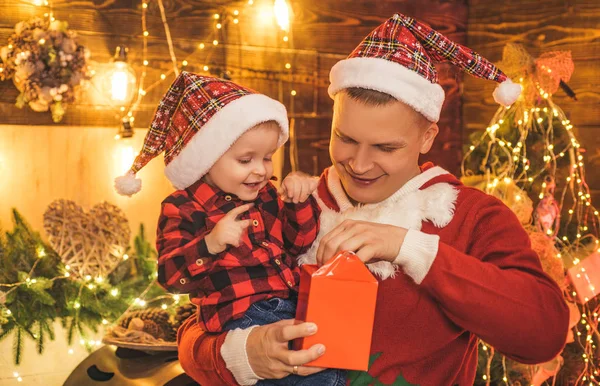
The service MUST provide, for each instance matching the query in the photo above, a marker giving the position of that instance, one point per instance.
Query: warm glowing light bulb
(282, 14)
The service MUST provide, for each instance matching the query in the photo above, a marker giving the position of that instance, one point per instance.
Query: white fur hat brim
(391, 78)
(220, 133)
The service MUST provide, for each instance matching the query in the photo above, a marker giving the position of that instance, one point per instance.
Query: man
(454, 264)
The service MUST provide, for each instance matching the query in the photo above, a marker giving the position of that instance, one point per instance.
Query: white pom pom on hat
(127, 184)
(507, 93)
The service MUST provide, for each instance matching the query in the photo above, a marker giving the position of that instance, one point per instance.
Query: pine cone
(182, 313)
(189, 307)
(154, 329)
(157, 315)
(182, 318)
(172, 336)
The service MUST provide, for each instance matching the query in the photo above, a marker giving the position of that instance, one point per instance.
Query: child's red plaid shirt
(262, 267)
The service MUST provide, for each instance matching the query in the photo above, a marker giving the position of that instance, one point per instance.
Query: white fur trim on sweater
(507, 93)
(408, 208)
(220, 132)
(234, 354)
(391, 78)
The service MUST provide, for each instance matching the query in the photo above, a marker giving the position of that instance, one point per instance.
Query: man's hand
(370, 241)
(269, 355)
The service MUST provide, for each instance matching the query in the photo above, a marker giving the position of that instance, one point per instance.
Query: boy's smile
(247, 166)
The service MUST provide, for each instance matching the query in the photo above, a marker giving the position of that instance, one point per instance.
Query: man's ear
(428, 137)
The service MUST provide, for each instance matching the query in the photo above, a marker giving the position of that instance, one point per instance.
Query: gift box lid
(344, 266)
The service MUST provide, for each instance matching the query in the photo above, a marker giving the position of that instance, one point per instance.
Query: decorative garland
(37, 289)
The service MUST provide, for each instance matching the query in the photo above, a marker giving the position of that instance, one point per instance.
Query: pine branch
(70, 332)
(18, 346)
(80, 331)
(38, 293)
(144, 253)
(40, 340)
(7, 329)
(49, 329)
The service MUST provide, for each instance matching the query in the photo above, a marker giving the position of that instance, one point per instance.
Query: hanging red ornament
(547, 212)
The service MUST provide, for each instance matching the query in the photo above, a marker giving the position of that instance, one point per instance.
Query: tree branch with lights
(530, 158)
(37, 288)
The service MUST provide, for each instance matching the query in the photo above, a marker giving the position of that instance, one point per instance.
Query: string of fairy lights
(510, 163)
(281, 13)
(516, 167)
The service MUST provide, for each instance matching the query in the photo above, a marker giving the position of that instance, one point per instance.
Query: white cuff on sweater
(417, 254)
(234, 354)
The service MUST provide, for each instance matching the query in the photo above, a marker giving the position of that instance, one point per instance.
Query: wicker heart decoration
(89, 243)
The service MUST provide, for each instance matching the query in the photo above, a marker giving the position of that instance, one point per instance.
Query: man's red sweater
(485, 281)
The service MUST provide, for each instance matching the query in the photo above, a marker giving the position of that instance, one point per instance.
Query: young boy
(225, 237)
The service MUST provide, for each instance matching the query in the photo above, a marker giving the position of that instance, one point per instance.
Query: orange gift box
(585, 277)
(340, 299)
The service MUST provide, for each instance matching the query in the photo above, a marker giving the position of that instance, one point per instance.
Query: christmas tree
(530, 158)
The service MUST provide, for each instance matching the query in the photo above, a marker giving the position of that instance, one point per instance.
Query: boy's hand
(297, 186)
(228, 231)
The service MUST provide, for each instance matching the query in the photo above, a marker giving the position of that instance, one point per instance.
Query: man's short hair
(369, 97)
(377, 98)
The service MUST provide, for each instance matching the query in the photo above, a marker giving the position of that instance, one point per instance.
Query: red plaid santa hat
(397, 59)
(196, 122)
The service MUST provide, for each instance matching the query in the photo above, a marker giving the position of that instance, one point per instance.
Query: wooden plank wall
(75, 163)
(541, 26)
(325, 32)
(252, 52)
